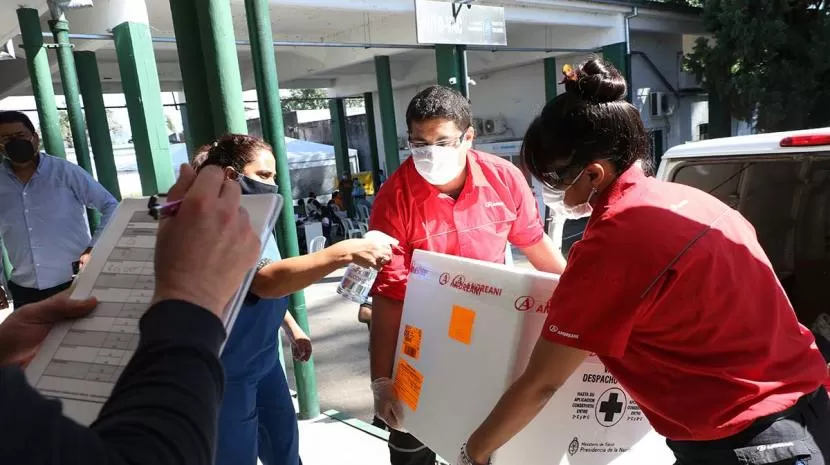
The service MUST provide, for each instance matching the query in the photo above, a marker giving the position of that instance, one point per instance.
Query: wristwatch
(263, 262)
(464, 459)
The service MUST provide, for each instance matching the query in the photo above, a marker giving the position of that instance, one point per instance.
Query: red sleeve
(527, 230)
(385, 217)
(596, 303)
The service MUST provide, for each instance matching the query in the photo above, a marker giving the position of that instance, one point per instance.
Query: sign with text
(473, 25)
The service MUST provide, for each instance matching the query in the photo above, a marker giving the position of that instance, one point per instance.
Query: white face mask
(555, 200)
(439, 165)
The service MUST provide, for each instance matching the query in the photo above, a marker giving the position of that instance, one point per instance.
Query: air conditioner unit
(660, 104)
(494, 127)
(478, 125)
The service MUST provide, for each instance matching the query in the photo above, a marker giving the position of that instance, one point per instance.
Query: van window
(788, 203)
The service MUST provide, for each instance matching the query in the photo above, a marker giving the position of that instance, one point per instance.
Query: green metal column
(270, 109)
(452, 67)
(71, 92)
(371, 129)
(41, 77)
(139, 79)
(552, 78)
(339, 136)
(224, 83)
(386, 103)
(89, 80)
(197, 111)
(617, 55)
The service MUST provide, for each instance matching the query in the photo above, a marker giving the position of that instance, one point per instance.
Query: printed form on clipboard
(80, 361)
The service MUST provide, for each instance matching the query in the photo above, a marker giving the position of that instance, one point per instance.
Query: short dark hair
(10, 117)
(591, 121)
(439, 102)
(232, 150)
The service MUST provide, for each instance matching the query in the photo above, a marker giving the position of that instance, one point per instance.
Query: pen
(165, 210)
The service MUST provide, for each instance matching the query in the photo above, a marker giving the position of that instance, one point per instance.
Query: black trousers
(404, 449)
(799, 435)
(27, 295)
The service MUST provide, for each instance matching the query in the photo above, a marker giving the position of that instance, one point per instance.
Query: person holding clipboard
(164, 406)
(257, 417)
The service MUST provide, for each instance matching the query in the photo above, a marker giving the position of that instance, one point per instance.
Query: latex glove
(387, 406)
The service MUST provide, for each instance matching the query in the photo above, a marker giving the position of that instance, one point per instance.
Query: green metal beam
(224, 83)
(197, 113)
(552, 77)
(371, 129)
(340, 137)
(617, 55)
(386, 103)
(41, 77)
(452, 67)
(139, 80)
(89, 80)
(72, 93)
(273, 130)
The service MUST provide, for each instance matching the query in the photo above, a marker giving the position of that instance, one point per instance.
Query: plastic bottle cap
(381, 237)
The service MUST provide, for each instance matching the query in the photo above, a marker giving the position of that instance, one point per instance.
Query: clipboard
(80, 361)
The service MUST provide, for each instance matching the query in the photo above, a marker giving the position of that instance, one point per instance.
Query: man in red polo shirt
(450, 199)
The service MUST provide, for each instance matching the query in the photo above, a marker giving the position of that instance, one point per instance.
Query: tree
(115, 126)
(313, 99)
(767, 60)
(66, 130)
(306, 99)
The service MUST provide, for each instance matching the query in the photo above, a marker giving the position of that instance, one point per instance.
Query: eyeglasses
(452, 143)
(554, 178)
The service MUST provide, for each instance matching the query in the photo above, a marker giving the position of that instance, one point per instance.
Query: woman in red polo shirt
(671, 289)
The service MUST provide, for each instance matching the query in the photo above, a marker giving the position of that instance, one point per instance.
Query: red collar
(630, 177)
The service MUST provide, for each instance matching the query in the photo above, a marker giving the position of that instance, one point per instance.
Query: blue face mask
(251, 186)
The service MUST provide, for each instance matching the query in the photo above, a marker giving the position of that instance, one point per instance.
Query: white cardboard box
(467, 331)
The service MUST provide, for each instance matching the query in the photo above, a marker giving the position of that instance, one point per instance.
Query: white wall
(517, 95)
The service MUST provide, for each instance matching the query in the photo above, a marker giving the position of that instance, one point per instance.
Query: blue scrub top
(252, 345)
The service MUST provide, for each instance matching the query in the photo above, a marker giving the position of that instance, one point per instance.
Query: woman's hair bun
(597, 81)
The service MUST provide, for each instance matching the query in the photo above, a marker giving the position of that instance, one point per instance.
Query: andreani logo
(461, 283)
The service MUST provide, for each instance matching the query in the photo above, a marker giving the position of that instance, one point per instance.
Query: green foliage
(66, 130)
(313, 99)
(770, 59)
(306, 99)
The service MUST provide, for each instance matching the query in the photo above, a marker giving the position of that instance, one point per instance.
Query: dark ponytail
(591, 121)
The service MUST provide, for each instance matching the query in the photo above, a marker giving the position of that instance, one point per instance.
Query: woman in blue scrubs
(257, 417)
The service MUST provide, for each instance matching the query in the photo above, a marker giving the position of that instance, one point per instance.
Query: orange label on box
(408, 384)
(461, 324)
(412, 341)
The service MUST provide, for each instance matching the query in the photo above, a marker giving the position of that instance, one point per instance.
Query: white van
(780, 182)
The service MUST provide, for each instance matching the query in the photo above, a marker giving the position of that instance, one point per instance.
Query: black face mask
(252, 186)
(20, 150)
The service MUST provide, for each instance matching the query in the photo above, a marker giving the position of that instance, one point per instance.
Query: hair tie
(570, 74)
